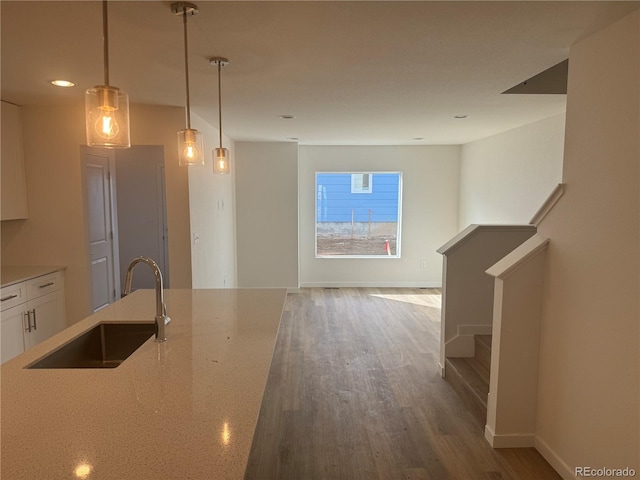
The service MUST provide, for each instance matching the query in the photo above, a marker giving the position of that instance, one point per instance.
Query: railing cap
(475, 229)
(519, 257)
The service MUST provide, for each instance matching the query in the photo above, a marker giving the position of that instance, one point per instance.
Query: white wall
(267, 214)
(588, 404)
(505, 178)
(429, 216)
(212, 214)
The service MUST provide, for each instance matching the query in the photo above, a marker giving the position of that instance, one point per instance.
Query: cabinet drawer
(39, 286)
(13, 295)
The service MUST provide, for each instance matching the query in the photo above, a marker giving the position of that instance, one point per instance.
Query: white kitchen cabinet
(12, 325)
(32, 311)
(47, 318)
(13, 204)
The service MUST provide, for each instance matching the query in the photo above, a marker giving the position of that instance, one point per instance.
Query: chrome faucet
(161, 308)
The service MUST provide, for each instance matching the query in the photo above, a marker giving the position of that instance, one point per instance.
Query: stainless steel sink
(106, 345)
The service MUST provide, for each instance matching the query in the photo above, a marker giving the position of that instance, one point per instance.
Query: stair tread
(467, 369)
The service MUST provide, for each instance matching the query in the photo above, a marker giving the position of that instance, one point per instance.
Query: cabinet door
(14, 185)
(47, 317)
(12, 327)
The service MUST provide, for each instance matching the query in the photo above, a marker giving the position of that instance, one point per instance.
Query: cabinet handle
(8, 298)
(47, 284)
(28, 327)
(35, 326)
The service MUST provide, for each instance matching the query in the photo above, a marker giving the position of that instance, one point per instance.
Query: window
(361, 183)
(358, 214)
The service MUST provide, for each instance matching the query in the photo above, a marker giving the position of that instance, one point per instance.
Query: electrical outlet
(423, 264)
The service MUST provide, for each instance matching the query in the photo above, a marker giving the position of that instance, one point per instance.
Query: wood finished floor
(354, 392)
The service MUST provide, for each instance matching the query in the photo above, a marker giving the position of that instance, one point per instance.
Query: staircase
(469, 377)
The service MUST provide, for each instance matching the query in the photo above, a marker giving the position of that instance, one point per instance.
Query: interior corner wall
(588, 394)
(267, 214)
(429, 214)
(212, 214)
(505, 178)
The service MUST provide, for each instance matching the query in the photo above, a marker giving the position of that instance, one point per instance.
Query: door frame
(163, 230)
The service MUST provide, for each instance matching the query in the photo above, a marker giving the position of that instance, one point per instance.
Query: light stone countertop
(183, 409)
(11, 275)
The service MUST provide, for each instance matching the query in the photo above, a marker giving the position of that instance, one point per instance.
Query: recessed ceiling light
(287, 117)
(418, 138)
(294, 139)
(62, 83)
(461, 116)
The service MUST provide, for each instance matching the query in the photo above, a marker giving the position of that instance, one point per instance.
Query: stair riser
(483, 353)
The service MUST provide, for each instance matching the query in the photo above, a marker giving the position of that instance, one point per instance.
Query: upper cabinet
(13, 202)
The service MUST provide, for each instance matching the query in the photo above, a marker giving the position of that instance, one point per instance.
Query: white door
(102, 229)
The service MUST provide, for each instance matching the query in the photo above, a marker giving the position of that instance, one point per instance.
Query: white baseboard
(463, 344)
(517, 440)
(371, 284)
(475, 329)
(530, 440)
(554, 459)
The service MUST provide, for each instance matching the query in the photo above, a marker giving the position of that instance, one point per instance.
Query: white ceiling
(352, 73)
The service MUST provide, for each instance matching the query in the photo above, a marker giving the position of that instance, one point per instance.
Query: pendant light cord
(220, 102)
(186, 64)
(105, 36)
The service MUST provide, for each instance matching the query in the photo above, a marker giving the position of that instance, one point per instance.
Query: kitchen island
(183, 409)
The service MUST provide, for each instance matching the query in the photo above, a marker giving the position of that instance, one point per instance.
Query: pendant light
(221, 161)
(190, 149)
(106, 106)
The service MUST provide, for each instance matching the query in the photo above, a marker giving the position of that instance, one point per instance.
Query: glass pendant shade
(190, 147)
(221, 162)
(107, 117)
